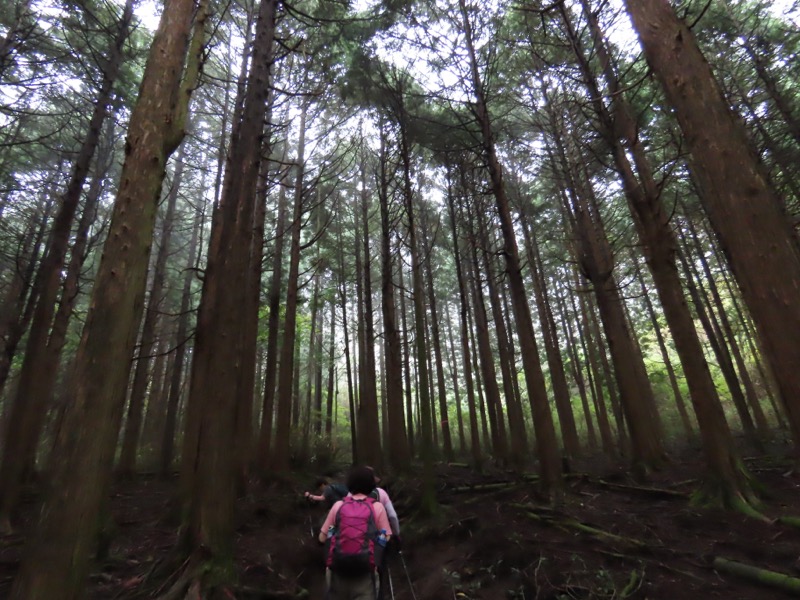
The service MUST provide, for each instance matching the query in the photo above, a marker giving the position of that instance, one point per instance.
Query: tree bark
(474, 436)
(283, 418)
(133, 424)
(743, 208)
(29, 408)
(220, 382)
(57, 557)
(273, 332)
(546, 443)
(399, 455)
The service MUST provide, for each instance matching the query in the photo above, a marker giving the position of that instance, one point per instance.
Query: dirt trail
(495, 539)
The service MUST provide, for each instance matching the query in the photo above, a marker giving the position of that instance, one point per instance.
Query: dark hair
(320, 482)
(360, 480)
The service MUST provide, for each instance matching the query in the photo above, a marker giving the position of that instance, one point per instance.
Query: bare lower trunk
(743, 208)
(57, 558)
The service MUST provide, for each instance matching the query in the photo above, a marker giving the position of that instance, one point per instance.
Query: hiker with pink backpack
(356, 532)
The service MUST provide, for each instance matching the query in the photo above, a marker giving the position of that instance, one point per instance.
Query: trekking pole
(405, 568)
(391, 585)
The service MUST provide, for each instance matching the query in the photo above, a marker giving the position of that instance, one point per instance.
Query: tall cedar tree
(742, 206)
(56, 561)
(30, 403)
(215, 390)
(546, 442)
(724, 479)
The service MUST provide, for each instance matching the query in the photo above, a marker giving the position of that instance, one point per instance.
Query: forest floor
(610, 538)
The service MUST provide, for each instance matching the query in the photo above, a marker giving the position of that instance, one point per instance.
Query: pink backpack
(352, 548)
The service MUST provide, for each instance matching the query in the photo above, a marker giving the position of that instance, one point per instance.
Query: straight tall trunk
(744, 210)
(370, 451)
(724, 476)
(331, 398)
(452, 366)
(176, 378)
(133, 424)
(428, 499)
(348, 368)
(546, 442)
(221, 380)
(595, 258)
(466, 358)
(56, 560)
(485, 358)
(399, 455)
(438, 361)
(29, 408)
(273, 332)
(516, 421)
(22, 294)
(406, 362)
(283, 419)
(566, 418)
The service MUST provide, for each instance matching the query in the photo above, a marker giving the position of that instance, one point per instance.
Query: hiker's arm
(310, 496)
(329, 521)
(391, 513)
(382, 521)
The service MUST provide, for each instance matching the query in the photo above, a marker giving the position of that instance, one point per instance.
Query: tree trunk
(743, 209)
(566, 418)
(516, 421)
(546, 442)
(29, 408)
(428, 503)
(399, 453)
(474, 436)
(22, 293)
(662, 346)
(283, 419)
(659, 243)
(220, 382)
(485, 356)
(57, 558)
(369, 433)
(273, 331)
(436, 341)
(348, 368)
(595, 258)
(406, 362)
(133, 424)
(176, 380)
(452, 366)
(331, 398)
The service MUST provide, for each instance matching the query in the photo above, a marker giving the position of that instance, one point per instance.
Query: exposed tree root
(789, 520)
(741, 498)
(570, 523)
(757, 575)
(649, 491)
(484, 487)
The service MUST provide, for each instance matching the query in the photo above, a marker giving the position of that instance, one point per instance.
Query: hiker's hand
(397, 543)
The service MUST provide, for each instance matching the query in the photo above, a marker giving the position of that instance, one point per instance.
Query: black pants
(383, 571)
